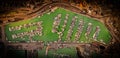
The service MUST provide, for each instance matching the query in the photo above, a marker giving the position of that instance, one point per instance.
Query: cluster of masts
(31, 33)
(57, 21)
(71, 28)
(19, 27)
(79, 30)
